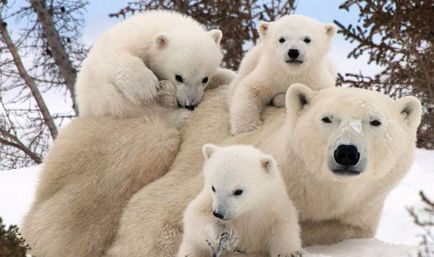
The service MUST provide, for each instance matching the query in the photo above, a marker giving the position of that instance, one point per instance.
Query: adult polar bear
(89, 177)
(333, 206)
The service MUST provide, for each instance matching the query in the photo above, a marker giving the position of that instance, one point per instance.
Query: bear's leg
(167, 99)
(221, 77)
(247, 103)
(329, 232)
(188, 249)
(166, 95)
(286, 240)
(359, 223)
(179, 117)
(136, 81)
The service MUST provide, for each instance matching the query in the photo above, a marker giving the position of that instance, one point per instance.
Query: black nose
(190, 107)
(293, 53)
(217, 215)
(347, 155)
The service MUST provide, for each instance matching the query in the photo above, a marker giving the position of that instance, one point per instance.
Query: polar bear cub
(293, 49)
(243, 207)
(122, 73)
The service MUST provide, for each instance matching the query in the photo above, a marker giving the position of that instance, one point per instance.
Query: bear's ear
(216, 35)
(208, 150)
(263, 28)
(330, 29)
(161, 40)
(267, 164)
(410, 109)
(298, 97)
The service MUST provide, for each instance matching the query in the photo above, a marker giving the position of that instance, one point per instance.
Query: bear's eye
(375, 123)
(213, 188)
(204, 80)
(179, 78)
(326, 120)
(282, 40)
(307, 40)
(238, 192)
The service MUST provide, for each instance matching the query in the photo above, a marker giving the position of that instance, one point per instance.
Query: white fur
(267, 70)
(115, 168)
(120, 77)
(261, 220)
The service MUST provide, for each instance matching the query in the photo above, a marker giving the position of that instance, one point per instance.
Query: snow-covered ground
(17, 188)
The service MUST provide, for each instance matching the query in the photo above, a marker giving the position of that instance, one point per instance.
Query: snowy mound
(363, 248)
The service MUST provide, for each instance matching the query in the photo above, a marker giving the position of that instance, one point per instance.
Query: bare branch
(18, 144)
(426, 200)
(56, 47)
(28, 80)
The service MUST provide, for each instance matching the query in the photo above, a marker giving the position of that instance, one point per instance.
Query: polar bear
(82, 191)
(337, 196)
(293, 49)
(154, 51)
(243, 207)
(334, 202)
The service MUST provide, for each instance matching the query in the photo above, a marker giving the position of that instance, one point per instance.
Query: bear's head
(188, 60)
(239, 178)
(342, 133)
(295, 41)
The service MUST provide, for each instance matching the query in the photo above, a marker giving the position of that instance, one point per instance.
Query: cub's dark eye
(375, 123)
(326, 120)
(179, 78)
(282, 40)
(238, 192)
(213, 188)
(307, 40)
(204, 80)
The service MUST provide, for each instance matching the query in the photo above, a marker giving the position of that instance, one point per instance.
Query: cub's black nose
(217, 215)
(347, 155)
(293, 53)
(190, 107)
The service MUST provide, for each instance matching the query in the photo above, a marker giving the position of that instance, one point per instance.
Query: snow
(396, 224)
(397, 235)
(363, 247)
(17, 189)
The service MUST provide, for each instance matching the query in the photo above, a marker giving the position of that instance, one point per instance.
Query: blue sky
(326, 10)
(97, 20)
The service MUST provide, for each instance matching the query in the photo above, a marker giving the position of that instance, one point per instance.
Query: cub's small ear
(330, 29)
(410, 109)
(298, 97)
(216, 35)
(263, 28)
(267, 164)
(208, 150)
(161, 40)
